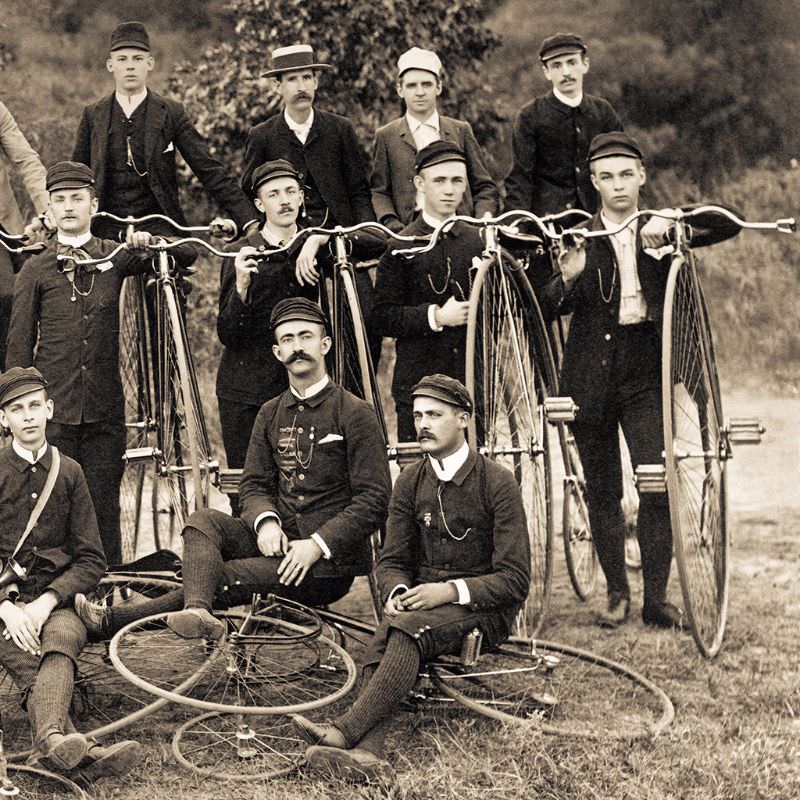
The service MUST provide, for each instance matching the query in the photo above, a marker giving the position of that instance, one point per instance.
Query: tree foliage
(361, 39)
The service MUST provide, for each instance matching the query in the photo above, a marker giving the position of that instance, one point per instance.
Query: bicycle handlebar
(151, 218)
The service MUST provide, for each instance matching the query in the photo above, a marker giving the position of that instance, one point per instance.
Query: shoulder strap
(43, 498)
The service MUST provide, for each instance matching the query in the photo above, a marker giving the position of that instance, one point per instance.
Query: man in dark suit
(614, 287)
(130, 138)
(552, 134)
(394, 197)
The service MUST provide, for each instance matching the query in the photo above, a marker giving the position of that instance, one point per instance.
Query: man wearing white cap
(394, 198)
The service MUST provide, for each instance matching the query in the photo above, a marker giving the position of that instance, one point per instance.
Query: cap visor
(271, 73)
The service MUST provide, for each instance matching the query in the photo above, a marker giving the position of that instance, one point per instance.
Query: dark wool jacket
(63, 552)
(167, 129)
(321, 465)
(550, 143)
(493, 558)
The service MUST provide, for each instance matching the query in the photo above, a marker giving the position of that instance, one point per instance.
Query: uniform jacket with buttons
(404, 289)
(320, 464)
(393, 193)
(550, 143)
(482, 501)
(167, 129)
(63, 551)
(331, 154)
(248, 370)
(75, 345)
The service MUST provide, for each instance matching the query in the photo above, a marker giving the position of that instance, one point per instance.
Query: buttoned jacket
(63, 552)
(168, 130)
(392, 179)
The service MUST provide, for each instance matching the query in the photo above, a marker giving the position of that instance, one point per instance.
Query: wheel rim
(559, 689)
(32, 783)
(509, 390)
(694, 466)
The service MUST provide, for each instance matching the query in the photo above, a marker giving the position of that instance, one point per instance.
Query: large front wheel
(508, 369)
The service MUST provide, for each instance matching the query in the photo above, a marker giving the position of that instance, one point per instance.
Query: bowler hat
(296, 308)
(437, 153)
(294, 57)
(444, 388)
(18, 381)
(129, 34)
(615, 143)
(279, 168)
(417, 58)
(561, 44)
(68, 175)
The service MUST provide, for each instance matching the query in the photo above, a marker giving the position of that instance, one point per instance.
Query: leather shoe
(356, 765)
(619, 606)
(664, 615)
(112, 761)
(94, 616)
(61, 751)
(196, 623)
(312, 733)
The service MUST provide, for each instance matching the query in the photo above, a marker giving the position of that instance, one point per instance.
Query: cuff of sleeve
(432, 319)
(463, 591)
(326, 551)
(262, 516)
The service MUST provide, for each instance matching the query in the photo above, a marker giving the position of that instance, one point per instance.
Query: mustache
(424, 435)
(299, 355)
(302, 96)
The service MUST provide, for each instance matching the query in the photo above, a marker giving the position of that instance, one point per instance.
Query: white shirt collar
(415, 124)
(31, 458)
(129, 103)
(432, 221)
(315, 388)
(609, 225)
(301, 129)
(74, 241)
(445, 468)
(572, 102)
(270, 237)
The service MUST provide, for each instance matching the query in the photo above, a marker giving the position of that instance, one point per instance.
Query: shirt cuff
(463, 591)
(262, 516)
(432, 319)
(326, 551)
(397, 589)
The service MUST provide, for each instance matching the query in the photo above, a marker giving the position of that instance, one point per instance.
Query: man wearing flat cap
(251, 284)
(456, 558)
(423, 300)
(315, 487)
(614, 287)
(394, 197)
(65, 322)
(130, 139)
(552, 133)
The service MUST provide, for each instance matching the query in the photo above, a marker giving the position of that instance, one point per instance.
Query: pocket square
(169, 148)
(331, 437)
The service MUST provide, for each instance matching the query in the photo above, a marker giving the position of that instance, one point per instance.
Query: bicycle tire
(560, 690)
(103, 702)
(32, 783)
(692, 414)
(236, 748)
(187, 464)
(240, 677)
(508, 369)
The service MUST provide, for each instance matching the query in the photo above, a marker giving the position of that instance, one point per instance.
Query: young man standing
(130, 138)
(423, 301)
(62, 555)
(456, 558)
(394, 196)
(65, 321)
(552, 134)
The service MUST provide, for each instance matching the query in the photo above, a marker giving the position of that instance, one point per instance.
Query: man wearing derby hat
(130, 139)
(394, 197)
(65, 322)
(614, 288)
(423, 300)
(251, 284)
(315, 487)
(456, 558)
(552, 133)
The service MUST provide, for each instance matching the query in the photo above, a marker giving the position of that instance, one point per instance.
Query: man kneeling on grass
(456, 558)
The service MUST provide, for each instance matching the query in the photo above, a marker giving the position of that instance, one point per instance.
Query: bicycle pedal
(651, 478)
(744, 430)
(560, 409)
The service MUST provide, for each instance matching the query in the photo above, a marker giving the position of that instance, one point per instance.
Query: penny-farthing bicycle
(697, 438)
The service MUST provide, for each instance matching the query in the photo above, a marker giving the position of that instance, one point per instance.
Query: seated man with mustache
(456, 558)
(315, 487)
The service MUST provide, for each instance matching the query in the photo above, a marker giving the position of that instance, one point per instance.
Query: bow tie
(76, 253)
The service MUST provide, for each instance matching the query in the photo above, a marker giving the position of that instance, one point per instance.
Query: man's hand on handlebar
(138, 241)
(246, 266)
(572, 259)
(222, 228)
(306, 270)
(654, 231)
